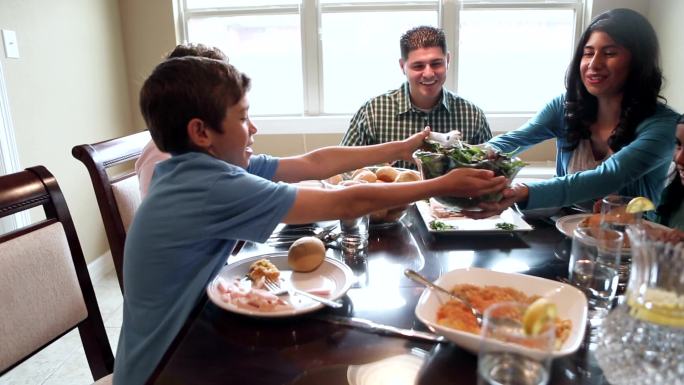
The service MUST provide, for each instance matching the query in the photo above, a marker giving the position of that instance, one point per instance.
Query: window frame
(313, 119)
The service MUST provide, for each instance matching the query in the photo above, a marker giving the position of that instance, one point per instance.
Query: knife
(375, 327)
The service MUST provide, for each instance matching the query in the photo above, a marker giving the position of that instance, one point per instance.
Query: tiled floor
(64, 362)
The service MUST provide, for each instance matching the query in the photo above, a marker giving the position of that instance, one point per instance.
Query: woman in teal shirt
(671, 210)
(612, 133)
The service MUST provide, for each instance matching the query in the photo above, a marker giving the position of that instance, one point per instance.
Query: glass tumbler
(614, 213)
(354, 236)
(510, 356)
(594, 267)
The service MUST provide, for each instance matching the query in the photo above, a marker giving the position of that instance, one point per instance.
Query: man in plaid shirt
(421, 101)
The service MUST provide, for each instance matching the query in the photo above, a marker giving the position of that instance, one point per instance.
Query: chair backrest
(118, 195)
(45, 289)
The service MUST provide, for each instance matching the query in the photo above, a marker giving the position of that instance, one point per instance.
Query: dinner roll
(407, 176)
(367, 175)
(357, 172)
(387, 173)
(335, 179)
(306, 254)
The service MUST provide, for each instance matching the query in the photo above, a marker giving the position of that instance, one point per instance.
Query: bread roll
(306, 254)
(335, 179)
(367, 175)
(407, 176)
(387, 173)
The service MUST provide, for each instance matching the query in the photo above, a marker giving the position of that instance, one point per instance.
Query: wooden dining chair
(45, 289)
(117, 191)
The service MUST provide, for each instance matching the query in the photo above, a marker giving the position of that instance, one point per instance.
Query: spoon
(422, 280)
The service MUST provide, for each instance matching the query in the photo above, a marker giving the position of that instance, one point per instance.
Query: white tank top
(583, 158)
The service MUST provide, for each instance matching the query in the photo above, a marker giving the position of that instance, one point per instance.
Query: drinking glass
(614, 213)
(354, 236)
(594, 267)
(508, 355)
(614, 216)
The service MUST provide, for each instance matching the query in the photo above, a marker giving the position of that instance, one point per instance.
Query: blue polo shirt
(181, 236)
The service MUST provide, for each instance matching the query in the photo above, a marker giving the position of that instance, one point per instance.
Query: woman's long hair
(641, 90)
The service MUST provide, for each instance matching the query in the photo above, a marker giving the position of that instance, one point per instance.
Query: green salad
(435, 160)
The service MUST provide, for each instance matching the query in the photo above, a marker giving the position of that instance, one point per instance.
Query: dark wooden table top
(219, 347)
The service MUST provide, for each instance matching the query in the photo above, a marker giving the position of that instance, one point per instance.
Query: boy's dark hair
(641, 90)
(192, 49)
(181, 89)
(422, 37)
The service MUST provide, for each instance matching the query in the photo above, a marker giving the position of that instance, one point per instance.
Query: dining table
(217, 346)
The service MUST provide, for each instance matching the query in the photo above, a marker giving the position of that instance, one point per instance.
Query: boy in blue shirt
(214, 191)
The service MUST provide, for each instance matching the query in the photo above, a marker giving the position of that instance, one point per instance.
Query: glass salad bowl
(436, 159)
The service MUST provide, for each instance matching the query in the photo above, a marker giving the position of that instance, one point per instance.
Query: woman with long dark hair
(613, 134)
(671, 210)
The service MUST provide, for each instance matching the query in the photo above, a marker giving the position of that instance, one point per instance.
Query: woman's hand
(471, 182)
(412, 143)
(514, 194)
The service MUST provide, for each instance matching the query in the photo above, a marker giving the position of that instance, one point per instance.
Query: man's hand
(412, 143)
(471, 182)
(516, 193)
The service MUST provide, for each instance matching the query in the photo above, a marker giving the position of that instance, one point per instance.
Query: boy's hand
(471, 182)
(516, 193)
(412, 143)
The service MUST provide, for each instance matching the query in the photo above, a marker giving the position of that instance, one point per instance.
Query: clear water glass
(354, 235)
(614, 216)
(614, 213)
(508, 355)
(642, 340)
(594, 267)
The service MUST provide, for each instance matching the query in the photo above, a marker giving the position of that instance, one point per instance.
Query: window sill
(338, 124)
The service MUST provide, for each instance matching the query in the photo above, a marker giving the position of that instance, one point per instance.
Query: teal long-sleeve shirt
(638, 169)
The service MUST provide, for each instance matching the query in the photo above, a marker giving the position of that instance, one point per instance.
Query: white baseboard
(101, 266)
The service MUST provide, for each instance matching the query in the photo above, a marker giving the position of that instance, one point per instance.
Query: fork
(320, 233)
(276, 289)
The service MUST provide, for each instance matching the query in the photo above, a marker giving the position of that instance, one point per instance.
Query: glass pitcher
(642, 340)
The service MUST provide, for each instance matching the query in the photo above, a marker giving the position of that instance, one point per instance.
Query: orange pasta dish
(456, 315)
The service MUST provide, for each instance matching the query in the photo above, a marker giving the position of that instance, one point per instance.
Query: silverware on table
(277, 288)
(296, 233)
(375, 327)
(414, 276)
(328, 240)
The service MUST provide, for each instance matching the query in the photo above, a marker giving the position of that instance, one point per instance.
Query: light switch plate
(9, 38)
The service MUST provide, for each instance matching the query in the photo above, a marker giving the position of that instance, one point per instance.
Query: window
(323, 59)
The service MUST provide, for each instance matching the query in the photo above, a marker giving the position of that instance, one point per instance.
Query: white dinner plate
(571, 304)
(332, 274)
(569, 223)
(462, 224)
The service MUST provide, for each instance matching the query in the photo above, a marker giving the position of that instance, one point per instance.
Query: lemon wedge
(537, 315)
(639, 204)
(660, 307)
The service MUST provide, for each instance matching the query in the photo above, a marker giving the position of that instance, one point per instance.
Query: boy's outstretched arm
(353, 201)
(328, 161)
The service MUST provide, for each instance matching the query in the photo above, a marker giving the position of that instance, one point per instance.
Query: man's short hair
(422, 37)
(184, 88)
(192, 49)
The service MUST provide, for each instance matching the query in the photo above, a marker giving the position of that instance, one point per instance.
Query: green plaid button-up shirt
(391, 117)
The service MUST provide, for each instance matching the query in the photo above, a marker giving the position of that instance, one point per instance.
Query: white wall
(667, 17)
(68, 87)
